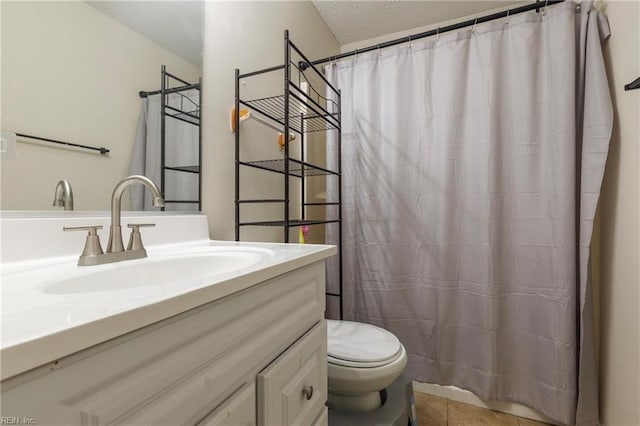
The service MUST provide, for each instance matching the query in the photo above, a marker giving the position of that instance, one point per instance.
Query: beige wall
(619, 215)
(69, 72)
(249, 36)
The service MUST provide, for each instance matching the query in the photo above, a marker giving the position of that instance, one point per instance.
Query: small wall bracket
(635, 84)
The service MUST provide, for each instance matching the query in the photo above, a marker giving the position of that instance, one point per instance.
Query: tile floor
(436, 411)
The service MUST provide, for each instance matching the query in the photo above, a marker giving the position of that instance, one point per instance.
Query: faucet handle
(90, 228)
(92, 245)
(135, 240)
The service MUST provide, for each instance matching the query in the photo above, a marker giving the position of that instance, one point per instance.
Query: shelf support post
(163, 87)
(302, 171)
(237, 145)
(340, 202)
(200, 145)
(287, 72)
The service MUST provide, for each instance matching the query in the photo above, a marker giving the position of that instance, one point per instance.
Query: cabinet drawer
(238, 410)
(293, 389)
(323, 418)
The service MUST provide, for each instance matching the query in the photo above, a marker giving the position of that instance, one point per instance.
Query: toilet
(363, 360)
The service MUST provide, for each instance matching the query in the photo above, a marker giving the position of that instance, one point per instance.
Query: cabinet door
(238, 410)
(293, 389)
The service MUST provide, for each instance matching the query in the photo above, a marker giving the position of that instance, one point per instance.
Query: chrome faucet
(115, 232)
(93, 254)
(64, 195)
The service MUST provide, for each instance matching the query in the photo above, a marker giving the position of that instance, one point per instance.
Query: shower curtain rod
(537, 6)
(144, 94)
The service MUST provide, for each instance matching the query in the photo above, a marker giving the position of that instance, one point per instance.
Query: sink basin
(154, 271)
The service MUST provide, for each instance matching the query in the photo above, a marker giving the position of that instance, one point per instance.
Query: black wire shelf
(263, 201)
(297, 168)
(179, 100)
(291, 224)
(300, 120)
(191, 117)
(324, 203)
(300, 109)
(187, 169)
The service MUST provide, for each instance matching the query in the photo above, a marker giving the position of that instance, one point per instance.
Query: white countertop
(40, 326)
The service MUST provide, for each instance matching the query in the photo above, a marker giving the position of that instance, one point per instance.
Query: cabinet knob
(307, 391)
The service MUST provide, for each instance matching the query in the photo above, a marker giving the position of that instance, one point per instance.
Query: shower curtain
(472, 167)
(181, 140)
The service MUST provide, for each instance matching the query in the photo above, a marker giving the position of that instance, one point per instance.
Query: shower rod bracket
(303, 65)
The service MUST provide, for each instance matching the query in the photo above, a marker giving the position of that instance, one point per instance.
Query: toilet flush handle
(307, 391)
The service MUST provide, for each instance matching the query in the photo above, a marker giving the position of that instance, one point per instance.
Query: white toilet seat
(359, 364)
(360, 345)
(344, 379)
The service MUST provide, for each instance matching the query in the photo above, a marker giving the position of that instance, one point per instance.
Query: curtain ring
(437, 34)
(475, 22)
(379, 51)
(410, 45)
(356, 55)
(544, 11)
(506, 21)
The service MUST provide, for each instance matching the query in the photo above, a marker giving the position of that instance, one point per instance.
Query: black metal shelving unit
(188, 111)
(300, 111)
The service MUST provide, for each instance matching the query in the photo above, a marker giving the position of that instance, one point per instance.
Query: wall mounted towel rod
(635, 84)
(102, 149)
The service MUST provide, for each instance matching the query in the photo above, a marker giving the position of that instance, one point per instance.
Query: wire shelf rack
(187, 169)
(300, 120)
(297, 108)
(297, 168)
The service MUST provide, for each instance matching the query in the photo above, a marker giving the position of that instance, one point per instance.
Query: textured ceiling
(174, 25)
(352, 21)
(177, 24)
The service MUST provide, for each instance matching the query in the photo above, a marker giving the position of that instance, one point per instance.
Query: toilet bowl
(363, 360)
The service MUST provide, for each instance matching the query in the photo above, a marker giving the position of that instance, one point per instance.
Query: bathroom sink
(50, 307)
(154, 272)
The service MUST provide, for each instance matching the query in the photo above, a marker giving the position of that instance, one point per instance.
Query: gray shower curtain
(472, 169)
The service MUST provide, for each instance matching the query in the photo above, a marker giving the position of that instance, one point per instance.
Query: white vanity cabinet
(257, 356)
